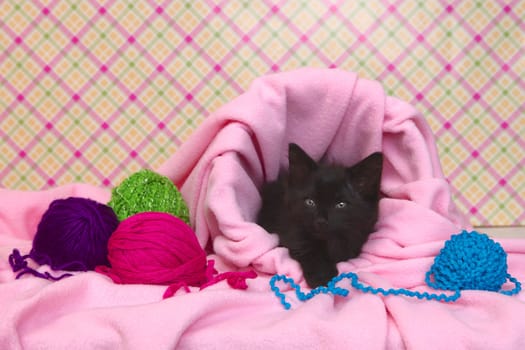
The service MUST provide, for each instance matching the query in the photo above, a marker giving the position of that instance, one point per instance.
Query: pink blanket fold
(330, 113)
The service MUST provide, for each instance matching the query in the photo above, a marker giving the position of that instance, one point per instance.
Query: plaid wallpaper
(92, 91)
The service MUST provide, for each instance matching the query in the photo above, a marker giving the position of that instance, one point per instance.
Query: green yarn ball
(147, 191)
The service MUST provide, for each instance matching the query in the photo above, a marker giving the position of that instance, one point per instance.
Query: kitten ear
(365, 176)
(301, 165)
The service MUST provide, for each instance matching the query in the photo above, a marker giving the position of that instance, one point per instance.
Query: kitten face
(321, 203)
(330, 201)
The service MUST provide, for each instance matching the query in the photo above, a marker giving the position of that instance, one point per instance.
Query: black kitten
(322, 213)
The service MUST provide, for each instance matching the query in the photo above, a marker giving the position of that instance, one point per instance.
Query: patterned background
(94, 90)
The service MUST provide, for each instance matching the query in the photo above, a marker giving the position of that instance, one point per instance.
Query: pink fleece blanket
(329, 113)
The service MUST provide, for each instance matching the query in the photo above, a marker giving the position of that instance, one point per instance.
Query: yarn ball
(72, 235)
(147, 191)
(155, 248)
(469, 260)
(159, 248)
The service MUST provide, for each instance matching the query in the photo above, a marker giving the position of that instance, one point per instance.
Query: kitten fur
(323, 213)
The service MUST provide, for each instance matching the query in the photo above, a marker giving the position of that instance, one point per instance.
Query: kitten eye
(340, 205)
(309, 202)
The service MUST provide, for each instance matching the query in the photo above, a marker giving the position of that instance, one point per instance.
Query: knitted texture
(469, 260)
(147, 191)
(72, 235)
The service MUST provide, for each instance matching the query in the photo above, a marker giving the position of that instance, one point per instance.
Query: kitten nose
(320, 223)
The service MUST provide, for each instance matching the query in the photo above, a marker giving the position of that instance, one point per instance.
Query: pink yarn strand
(236, 280)
(171, 290)
(210, 270)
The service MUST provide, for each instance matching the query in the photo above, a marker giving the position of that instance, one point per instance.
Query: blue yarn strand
(517, 286)
(392, 291)
(333, 289)
(298, 292)
(468, 261)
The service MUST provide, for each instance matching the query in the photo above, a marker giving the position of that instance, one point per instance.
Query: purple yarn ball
(73, 235)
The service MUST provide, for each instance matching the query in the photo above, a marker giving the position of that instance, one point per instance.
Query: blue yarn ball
(469, 260)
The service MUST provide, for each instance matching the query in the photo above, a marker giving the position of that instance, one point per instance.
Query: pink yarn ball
(155, 248)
